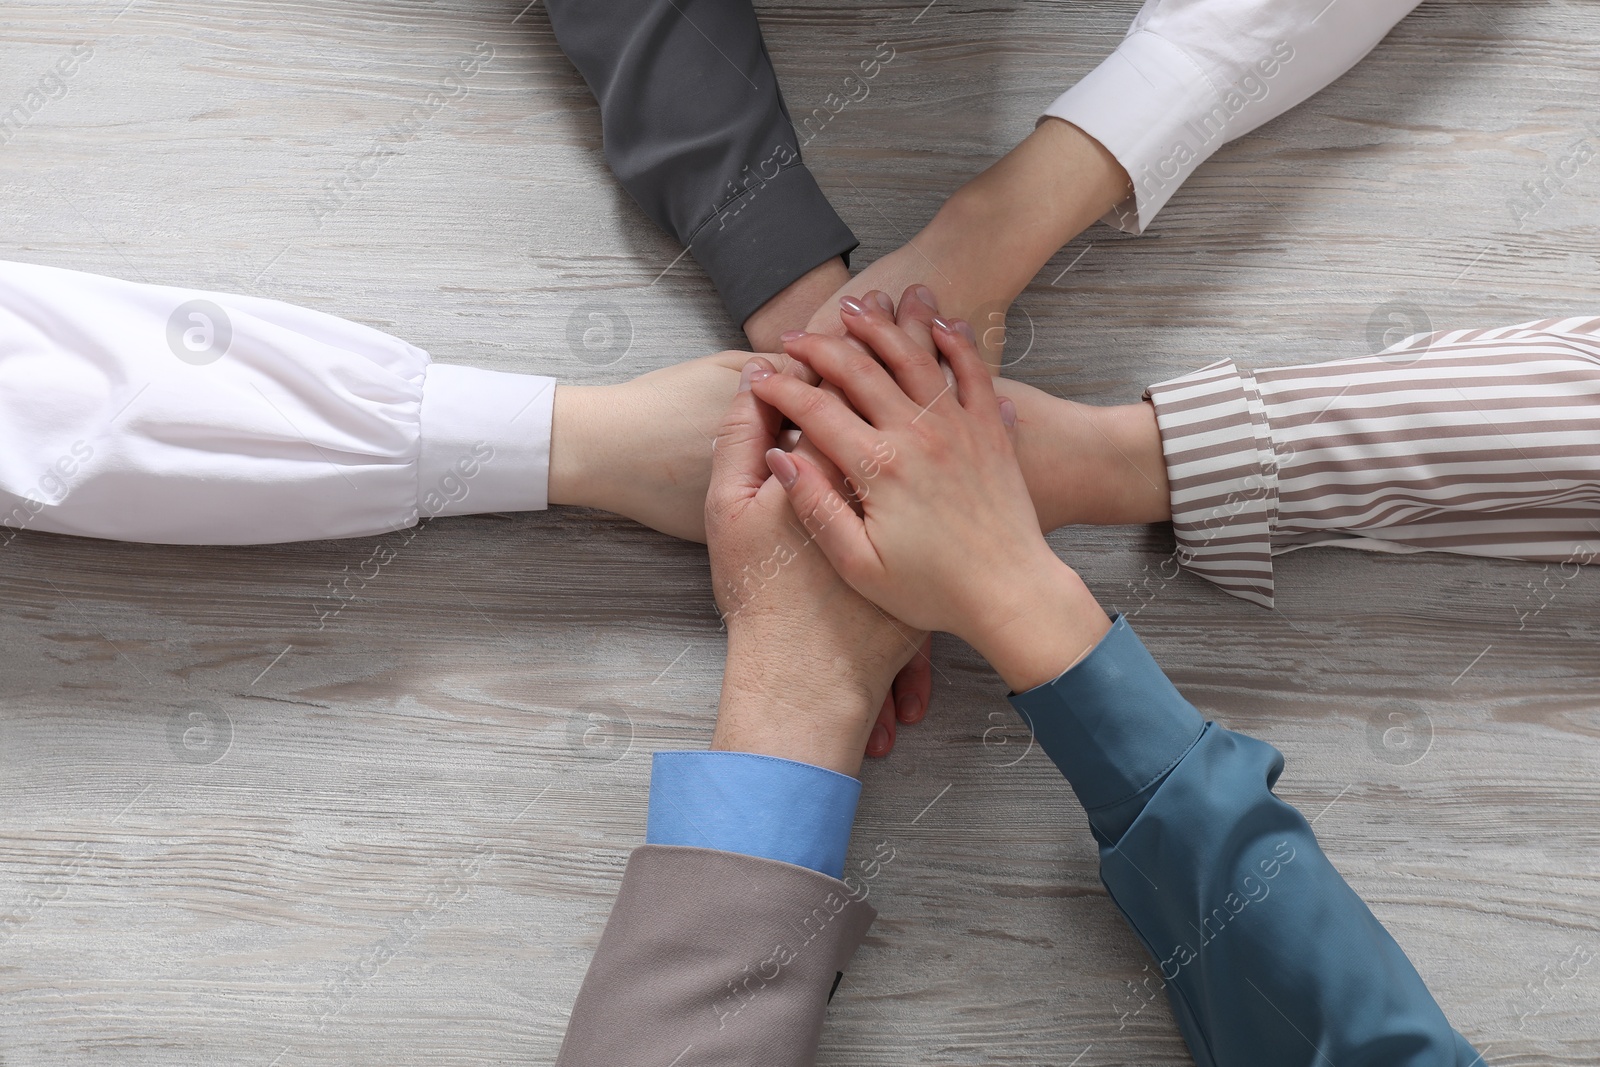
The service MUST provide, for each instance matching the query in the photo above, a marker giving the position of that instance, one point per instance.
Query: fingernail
(908, 709)
(779, 463)
(924, 294)
(748, 375)
(943, 325)
(791, 335)
(1008, 412)
(851, 306)
(882, 300)
(878, 743)
(964, 328)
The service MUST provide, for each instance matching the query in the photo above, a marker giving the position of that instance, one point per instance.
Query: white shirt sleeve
(147, 413)
(1191, 75)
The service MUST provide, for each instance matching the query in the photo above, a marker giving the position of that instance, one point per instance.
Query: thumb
(748, 429)
(1008, 418)
(828, 519)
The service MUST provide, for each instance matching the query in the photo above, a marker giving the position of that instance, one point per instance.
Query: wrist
(780, 698)
(1033, 200)
(1044, 624)
(1118, 473)
(791, 308)
(577, 469)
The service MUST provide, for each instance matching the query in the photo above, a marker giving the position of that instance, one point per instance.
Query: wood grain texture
(216, 818)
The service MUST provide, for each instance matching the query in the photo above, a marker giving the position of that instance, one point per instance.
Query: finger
(790, 439)
(973, 380)
(864, 380)
(748, 429)
(826, 319)
(913, 686)
(881, 740)
(821, 416)
(844, 486)
(918, 308)
(794, 366)
(735, 360)
(915, 315)
(1008, 417)
(828, 519)
(915, 369)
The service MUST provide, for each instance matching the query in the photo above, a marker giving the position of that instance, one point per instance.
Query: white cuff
(1153, 109)
(485, 441)
(1193, 75)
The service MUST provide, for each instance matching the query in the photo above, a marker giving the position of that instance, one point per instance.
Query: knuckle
(934, 445)
(814, 402)
(860, 364)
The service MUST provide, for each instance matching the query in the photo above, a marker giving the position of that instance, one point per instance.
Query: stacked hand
(990, 239)
(947, 538)
(642, 448)
(824, 602)
(809, 660)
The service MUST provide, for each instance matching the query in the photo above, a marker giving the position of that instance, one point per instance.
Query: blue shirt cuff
(762, 806)
(1114, 725)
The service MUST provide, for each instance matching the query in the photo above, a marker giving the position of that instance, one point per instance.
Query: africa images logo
(199, 332)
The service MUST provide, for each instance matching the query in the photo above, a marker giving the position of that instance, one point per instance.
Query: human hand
(809, 660)
(994, 234)
(948, 537)
(1084, 463)
(643, 448)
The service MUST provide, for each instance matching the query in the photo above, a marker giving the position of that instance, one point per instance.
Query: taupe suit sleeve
(714, 959)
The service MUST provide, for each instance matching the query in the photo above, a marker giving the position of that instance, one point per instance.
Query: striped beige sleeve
(1223, 477)
(1478, 442)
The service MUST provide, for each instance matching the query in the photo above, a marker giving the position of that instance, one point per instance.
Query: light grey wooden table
(227, 836)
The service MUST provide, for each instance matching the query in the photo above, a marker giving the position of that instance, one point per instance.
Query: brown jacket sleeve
(714, 959)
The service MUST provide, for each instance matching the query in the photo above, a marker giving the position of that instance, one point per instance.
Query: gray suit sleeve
(697, 132)
(732, 956)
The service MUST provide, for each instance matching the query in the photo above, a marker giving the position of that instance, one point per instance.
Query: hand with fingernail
(810, 662)
(946, 537)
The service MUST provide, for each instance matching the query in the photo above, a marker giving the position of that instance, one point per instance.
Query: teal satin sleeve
(1266, 954)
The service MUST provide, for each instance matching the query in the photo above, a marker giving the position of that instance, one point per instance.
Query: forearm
(1033, 634)
(1265, 950)
(1474, 441)
(792, 307)
(642, 449)
(147, 413)
(777, 701)
(1027, 205)
(1192, 75)
(986, 243)
(1089, 464)
(731, 955)
(1267, 954)
(695, 130)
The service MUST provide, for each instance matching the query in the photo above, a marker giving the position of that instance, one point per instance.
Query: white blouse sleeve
(1191, 75)
(147, 413)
